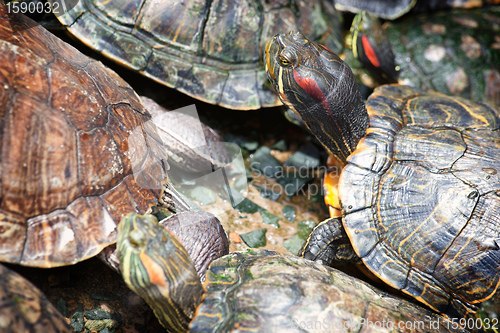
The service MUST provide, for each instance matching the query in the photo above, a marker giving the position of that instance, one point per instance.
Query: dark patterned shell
(387, 9)
(210, 50)
(66, 172)
(456, 53)
(25, 308)
(421, 197)
(392, 9)
(264, 291)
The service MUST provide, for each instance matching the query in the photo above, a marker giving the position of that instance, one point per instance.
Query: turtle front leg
(172, 200)
(328, 243)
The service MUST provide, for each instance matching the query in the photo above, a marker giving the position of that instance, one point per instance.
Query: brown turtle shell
(65, 161)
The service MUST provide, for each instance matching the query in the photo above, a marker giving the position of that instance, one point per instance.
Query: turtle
(392, 10)
(25, 308)
(455, 52)
(210, 50)
(419, 192)
(79, 153)
(255, 290)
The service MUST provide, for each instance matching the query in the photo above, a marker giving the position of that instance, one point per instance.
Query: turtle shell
(66, 155)
(456, 53)
(421, 197)
(393, 9)
(387, 9)
(265, 291)
(210, 50)
(25, 308)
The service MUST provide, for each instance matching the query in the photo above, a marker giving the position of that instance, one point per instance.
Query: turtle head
(156, 266)
(320, 88)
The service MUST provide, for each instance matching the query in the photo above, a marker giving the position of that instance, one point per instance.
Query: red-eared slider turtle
(455, 52)
(79, 153)
(419, 194)
(210, 50)
(255, 291)
(25, 308)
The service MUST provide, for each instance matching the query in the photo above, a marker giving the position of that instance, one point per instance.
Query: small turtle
(419, 195)
(210, 50)
(253, 291)
(456, 52)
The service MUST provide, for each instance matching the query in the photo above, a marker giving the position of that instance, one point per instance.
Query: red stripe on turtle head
(325, 47)
(370, 52)
(312, 88)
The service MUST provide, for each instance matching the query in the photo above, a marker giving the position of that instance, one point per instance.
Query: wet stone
(203, 195)
(271, 219)
(289, 213)
(247, 206)
(305, 227)
(306, 157)
(280, 145)
(62, 306)
(77, 320)
(263, 163)
(267, 193)
(98, 314)
(294, 244)
(256, 238)
(292, 181)
(241, 141)
(101, 325)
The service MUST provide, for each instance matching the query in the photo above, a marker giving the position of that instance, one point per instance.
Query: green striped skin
(296, 68)
(155, 265)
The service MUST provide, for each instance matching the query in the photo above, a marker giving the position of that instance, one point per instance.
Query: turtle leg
(328, 243)
(173, 200)
(202, 234)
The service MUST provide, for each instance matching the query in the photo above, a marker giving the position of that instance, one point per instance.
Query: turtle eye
(283, 61)
(287, 58)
